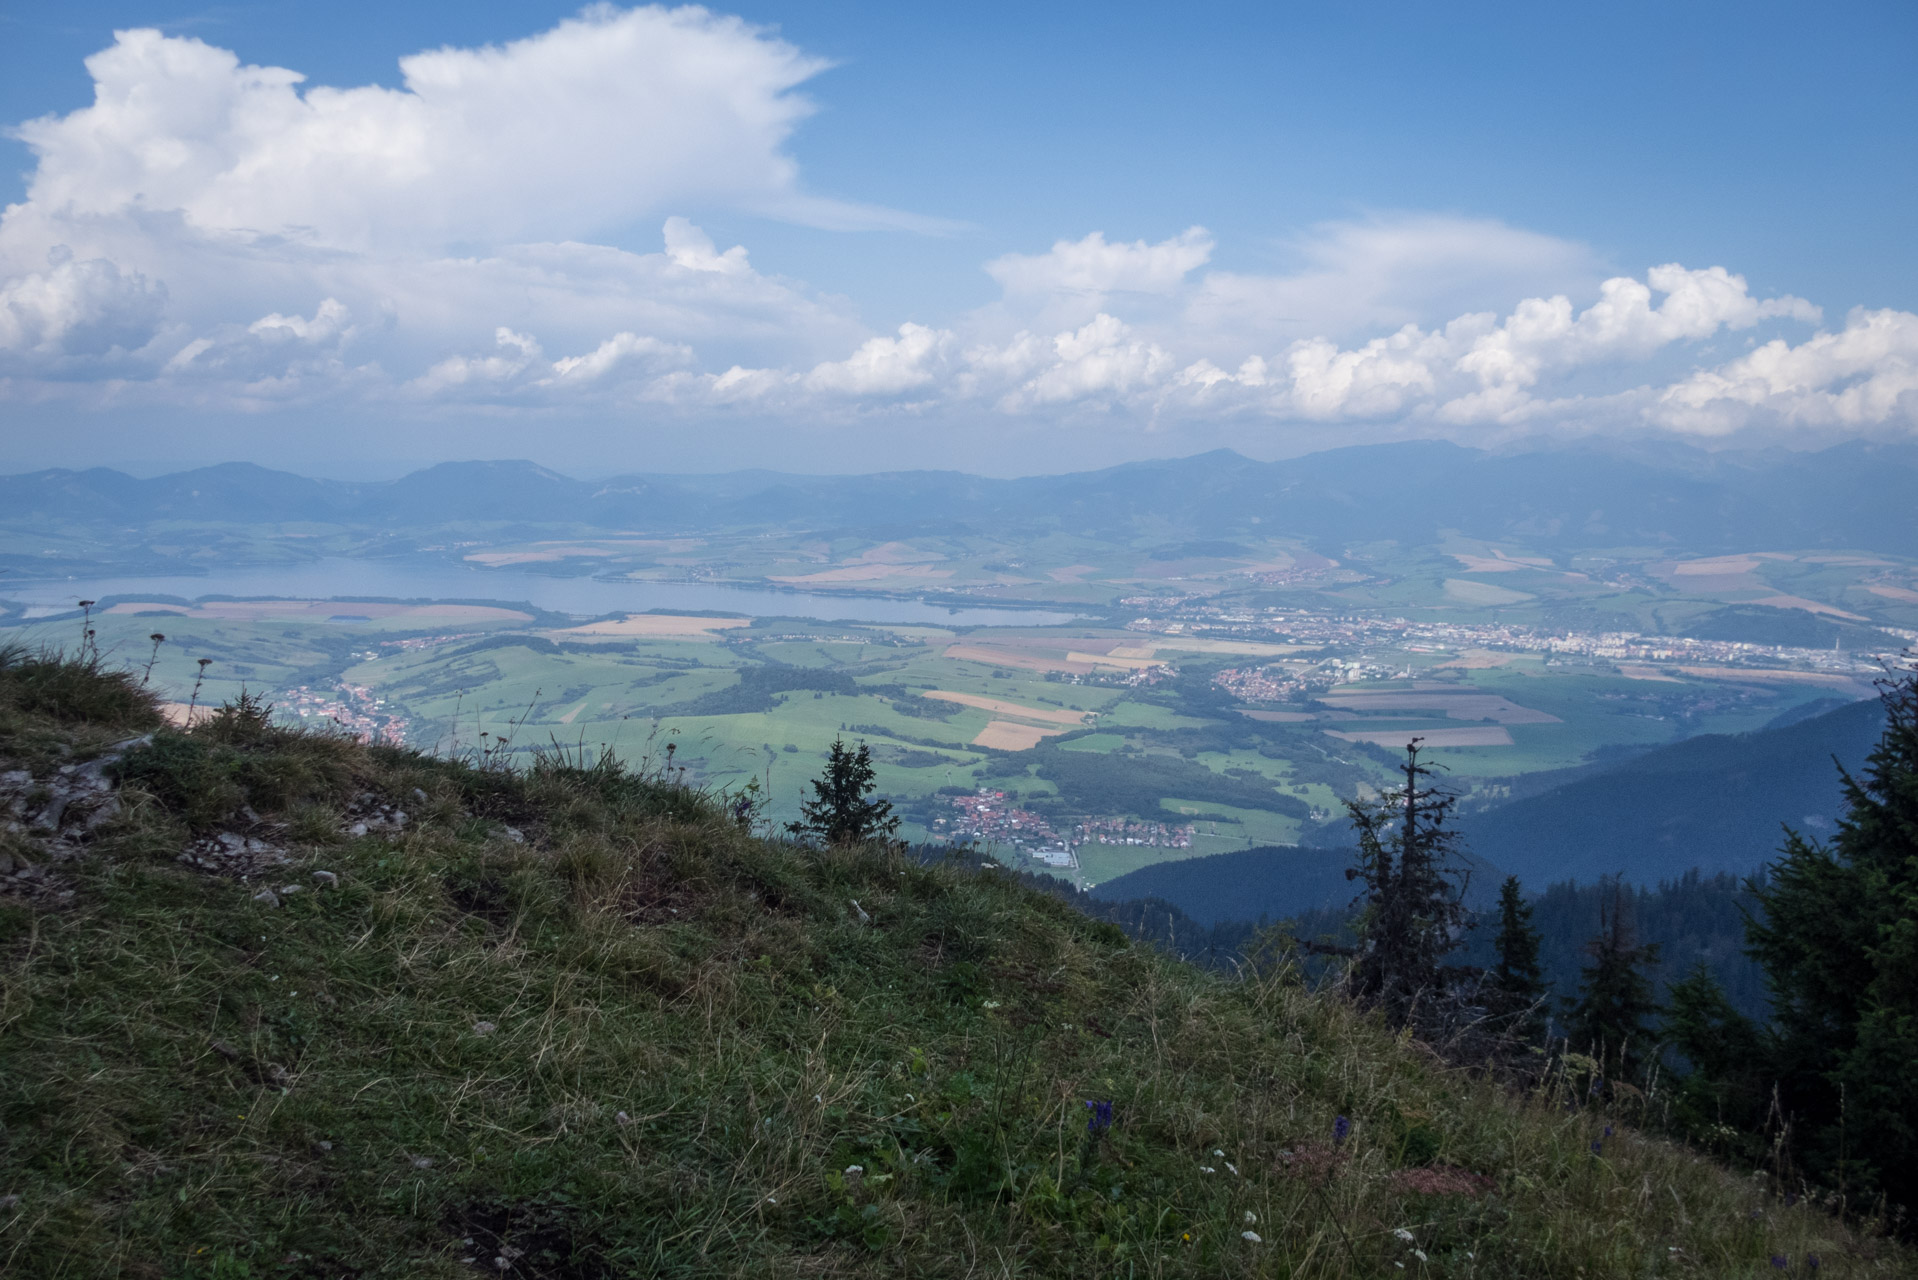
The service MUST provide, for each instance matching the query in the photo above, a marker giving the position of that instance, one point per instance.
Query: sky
(353, 239)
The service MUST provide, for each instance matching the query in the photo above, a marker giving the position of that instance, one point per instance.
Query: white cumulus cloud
(1864, 375)
(608, 117)
(1095, 266)
(218, 234)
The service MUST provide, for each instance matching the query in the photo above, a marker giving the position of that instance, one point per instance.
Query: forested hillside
(1717, 803)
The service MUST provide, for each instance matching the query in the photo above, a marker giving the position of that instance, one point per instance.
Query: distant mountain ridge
(1854, 495)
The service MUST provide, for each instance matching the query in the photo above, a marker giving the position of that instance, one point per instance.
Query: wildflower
(1340, 1128)
(1779, 1262)
(484, 1028)
(1420, 1255)
(1402, 1234)
(854, 1170)
(1101, 1118)
(1598, 1146)
(1608, 1131)
(1206, 1168)
(1250, 1217)
(622, 1118)
(1811, 1261)
(1231, 1168)
(1250, 1237)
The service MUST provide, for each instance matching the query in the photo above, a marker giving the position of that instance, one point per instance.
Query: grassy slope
(694, 1036)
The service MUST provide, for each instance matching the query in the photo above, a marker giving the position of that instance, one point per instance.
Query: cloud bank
(219, 235)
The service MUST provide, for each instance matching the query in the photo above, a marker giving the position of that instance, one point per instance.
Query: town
(985, 817)
(1357, 632)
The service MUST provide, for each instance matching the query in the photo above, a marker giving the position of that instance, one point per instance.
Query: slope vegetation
(276, 1004)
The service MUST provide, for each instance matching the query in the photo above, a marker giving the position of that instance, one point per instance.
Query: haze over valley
(858, 640)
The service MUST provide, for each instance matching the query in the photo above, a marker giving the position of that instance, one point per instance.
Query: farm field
(1080, 688)
(1118, 746)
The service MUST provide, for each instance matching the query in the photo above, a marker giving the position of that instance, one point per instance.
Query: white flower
(1402, 1234)
(1233, 1168)
(1419, 1254)
(989, 1004)
(1206, 1168)
(1250, 1217)
(484, 1028)
(1220, 1154)
(1250, 1237)
(855, 1169)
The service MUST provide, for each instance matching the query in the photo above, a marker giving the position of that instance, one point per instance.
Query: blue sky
(1369, 169)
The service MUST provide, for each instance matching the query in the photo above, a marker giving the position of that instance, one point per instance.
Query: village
(986, 817)
(353, 707)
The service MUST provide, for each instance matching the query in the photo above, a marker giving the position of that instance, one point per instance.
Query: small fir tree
(1519, 983)
(1610, 1017)
(1412, 911)
(843, 810)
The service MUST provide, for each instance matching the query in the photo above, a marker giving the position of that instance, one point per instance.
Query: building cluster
(1264, 684)
(425, 642)
(1354, 632)
(353, 707)
(987, 816)
(1158, 835)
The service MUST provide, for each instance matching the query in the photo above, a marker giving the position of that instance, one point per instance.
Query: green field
(765, 701)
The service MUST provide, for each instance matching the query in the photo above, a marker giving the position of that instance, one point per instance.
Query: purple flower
(1101, 1118)
(1598, 1146)
(1779, 1262)
(1608, 1131)
(1811, 1261)
(1341, 1127)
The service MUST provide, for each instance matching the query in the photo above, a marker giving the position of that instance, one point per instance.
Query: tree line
(1820, 1088)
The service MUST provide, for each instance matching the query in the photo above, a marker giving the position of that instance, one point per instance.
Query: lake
(341, 578)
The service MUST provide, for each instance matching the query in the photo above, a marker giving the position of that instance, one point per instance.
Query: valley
(1086, 675)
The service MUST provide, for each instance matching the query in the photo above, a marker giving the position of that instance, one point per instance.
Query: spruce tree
(1838, 939)
(843, 810)
(1610, 1017)
(1724, 1086)
(1412, 910)
(1516, 977)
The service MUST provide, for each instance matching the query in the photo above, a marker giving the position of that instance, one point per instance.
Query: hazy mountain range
(1855, 495)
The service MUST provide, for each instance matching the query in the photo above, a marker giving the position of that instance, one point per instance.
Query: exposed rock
(267, 897)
